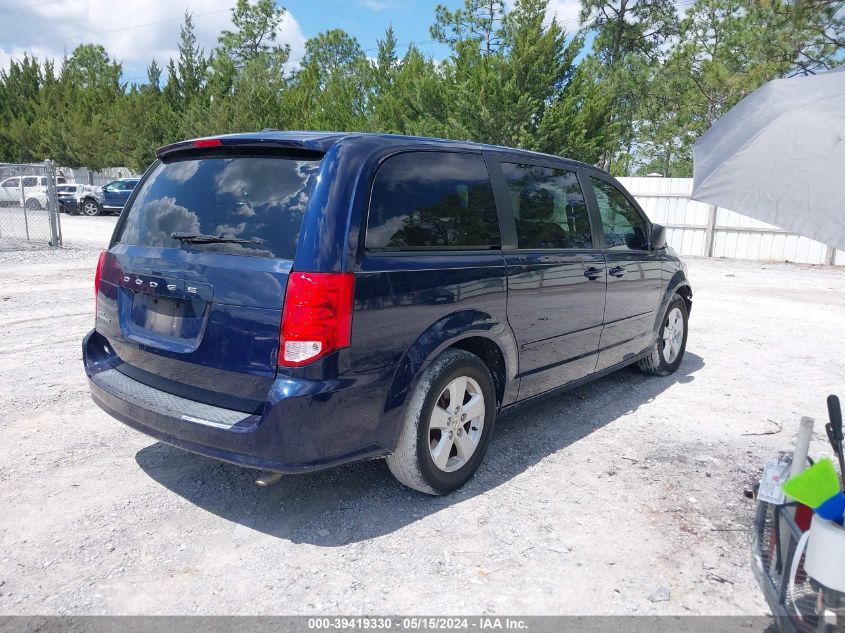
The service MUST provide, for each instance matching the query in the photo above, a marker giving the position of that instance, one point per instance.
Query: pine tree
(187, 75)
(255, 34)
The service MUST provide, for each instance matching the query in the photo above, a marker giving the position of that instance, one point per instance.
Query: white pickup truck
(26, 190)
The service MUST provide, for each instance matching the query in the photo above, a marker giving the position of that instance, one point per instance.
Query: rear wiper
(199, 238)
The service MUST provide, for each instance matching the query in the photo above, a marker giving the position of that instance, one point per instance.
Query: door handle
(616, 271)
(593, 273)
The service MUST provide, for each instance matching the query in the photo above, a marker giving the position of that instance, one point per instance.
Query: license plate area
(162, 313)
(172, 318)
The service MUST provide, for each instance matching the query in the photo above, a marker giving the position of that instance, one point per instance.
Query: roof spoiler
(215, 143)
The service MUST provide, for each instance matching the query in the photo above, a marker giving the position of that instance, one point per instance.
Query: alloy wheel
(673, 335)
(456, 424)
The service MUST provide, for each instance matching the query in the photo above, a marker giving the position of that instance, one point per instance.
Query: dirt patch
(624, 496)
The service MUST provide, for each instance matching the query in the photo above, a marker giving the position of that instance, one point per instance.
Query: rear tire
(448, 425)
(668, 350)
(91, 207)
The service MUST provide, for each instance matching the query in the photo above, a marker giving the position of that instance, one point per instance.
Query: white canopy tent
(779, 156)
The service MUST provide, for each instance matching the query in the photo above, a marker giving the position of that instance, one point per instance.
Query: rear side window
(260, 200)
(30, 181)
(432, 201)
(624, 227)
(548, 207)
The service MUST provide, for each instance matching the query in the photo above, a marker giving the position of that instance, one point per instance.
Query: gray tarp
(779, 156)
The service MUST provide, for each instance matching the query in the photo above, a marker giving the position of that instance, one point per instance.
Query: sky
(136, 31)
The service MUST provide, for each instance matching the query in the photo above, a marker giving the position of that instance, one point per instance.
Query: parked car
(116, 193)
(109, 199)
(32, 190)
(293, 301)
(72, 195)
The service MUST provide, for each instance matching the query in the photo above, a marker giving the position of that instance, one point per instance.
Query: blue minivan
(290, 301)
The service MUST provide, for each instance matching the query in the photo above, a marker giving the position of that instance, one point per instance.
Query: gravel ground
(624, 496)
(82, 231)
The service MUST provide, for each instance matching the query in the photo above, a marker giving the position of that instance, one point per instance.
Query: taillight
(97, 275)
(317, 317)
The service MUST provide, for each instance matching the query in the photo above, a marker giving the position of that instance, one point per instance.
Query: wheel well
(490, 355)
(686, 293)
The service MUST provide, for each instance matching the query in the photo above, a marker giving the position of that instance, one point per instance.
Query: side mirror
(658, 237)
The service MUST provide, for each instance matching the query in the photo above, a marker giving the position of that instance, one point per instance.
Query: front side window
(432, 200)
(253, 204)
(548, 207)
(624, 227)
(11, 182)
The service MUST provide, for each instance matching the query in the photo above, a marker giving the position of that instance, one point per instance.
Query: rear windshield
(257, 199)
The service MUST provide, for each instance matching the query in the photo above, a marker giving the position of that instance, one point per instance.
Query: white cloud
(566, 12)
(381, 5)
(291, 34)
(375, 5)
(132, 32)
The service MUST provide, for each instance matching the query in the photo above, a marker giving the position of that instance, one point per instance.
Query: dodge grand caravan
(294, 301)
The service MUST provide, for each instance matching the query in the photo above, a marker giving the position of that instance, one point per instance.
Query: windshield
(259, 200)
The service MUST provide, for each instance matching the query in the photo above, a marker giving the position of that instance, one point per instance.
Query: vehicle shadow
(359, 502)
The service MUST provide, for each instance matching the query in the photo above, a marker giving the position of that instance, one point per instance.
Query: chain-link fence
(29, 208)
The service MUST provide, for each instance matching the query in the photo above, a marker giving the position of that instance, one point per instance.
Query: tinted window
(624, 227)
(31, 181)
(548, 207)
(12, 182)
(242, 197)
(129, 185)
(430, 200)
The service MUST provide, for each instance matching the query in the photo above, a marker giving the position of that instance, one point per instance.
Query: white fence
(702, 230)
(98, 178)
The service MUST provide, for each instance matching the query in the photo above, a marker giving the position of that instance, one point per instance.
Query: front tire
(448, 425)
(91, 208)
(668, 350)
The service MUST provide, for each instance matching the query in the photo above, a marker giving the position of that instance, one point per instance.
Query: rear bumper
(68, 206)
(304, 425)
